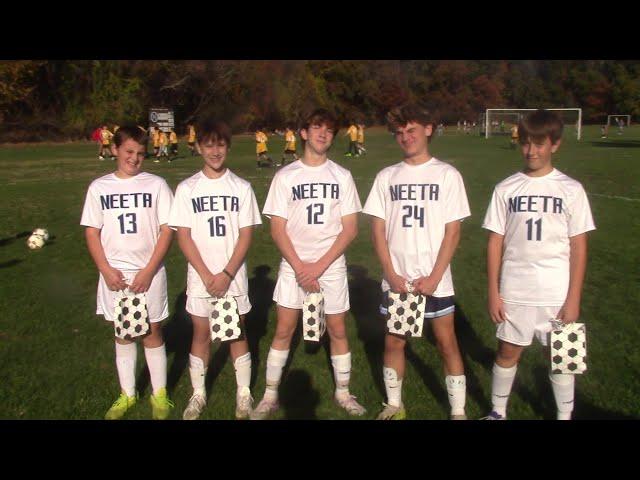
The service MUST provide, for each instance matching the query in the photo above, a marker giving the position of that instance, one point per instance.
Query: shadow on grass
(617, 143)
(260, 295)
(298, 398)
(6, 241)
(11, 263)
(365, 297)
(540, 398)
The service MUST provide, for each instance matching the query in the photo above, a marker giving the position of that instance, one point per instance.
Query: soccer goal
(615, 120)
(498, 121)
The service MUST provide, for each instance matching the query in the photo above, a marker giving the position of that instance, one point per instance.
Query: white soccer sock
(242, 366)
(342, 372)
(563, 390)
(276, 361)
(126, 356)
(198, 372)
(457, 390)
(157, 364)
(501, 384)
(393, 386)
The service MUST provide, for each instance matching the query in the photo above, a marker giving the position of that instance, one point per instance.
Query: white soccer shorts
(291, 295)
(525, 322)
(201, 307)
(157, 302)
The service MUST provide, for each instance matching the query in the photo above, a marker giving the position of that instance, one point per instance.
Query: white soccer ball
(35, 241)
(43, 232)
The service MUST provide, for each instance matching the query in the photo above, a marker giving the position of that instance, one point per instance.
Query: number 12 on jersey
(530, 223)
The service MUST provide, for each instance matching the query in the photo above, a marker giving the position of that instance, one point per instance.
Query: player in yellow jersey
(360, 140)
(163, 141)
(173, 144)
(261, 148)
(514, 136)
(191, 138)
(105, 143)
(352, 132)
(290, 145)
(155, 138)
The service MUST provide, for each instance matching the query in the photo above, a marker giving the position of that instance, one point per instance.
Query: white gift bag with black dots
(313, 322)
(131, 317)
(568, 344)
(224, 321)
(405, 314)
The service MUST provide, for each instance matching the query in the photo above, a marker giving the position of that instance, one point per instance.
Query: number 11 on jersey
(538, 224)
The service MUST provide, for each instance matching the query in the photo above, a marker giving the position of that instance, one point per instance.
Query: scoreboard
(163, 117)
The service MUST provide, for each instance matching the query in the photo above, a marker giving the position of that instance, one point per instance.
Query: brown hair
(539, 125)
(213, 130)
(406, 113)
(321, 116)
(127, 132)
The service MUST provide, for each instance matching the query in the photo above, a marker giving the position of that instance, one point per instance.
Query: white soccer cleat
(458, 417)
(244, 406)
(349, 403)
(195, 407)
(265, 408)
(391, 412)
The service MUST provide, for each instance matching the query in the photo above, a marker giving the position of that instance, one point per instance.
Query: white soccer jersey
(129, 213)
(215, 210)
(416, 202)
(537, 216)
(313, 200)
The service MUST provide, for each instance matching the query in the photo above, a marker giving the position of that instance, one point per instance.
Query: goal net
(498, 121)
(619, 120)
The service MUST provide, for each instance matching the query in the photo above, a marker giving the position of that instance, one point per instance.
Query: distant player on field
(417, 207)
(173, 145)
(290, 145)
(360, 140)
(191, 138)
(313, 206)
(155, 136)
(536, 257)
(261, 148)
(514, 136)
(105, 143)
(125, 214)
(215, 212)
(352, 133)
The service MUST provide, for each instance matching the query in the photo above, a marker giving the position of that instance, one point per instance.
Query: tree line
(41, 99)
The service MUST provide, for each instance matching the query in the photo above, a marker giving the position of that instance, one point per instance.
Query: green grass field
(57, 356)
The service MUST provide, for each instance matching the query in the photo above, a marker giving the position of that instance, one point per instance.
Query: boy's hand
(496, 309)
(114, 279)
(219, 285)
(312, 287)
(142, 281)
(425, 285)
(569, 313)
(397, 283)
(309, 272)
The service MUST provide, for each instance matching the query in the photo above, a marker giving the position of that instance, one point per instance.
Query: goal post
(494, 116)
(616, 117)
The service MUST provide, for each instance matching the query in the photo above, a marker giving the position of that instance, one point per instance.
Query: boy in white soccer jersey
(536, 257)
(416, 209)
(214, 213)
(313, 206)
(126, 215)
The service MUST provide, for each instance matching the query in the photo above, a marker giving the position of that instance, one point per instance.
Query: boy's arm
(284, 244)
(379, 239)
(427, 285)
(112, 276)
(191, 253)
(313, 271)
(494, 262)
(570, 311)
(144, 277)
(222, 280)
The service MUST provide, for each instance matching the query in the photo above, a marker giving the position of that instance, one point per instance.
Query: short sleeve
(165, 201)
(180, 215)
(496, 217)
(580, 218)
(92, 213)
(249, 211)
(350, 200)
(456, 202)
(277, 198)
(375, 204)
